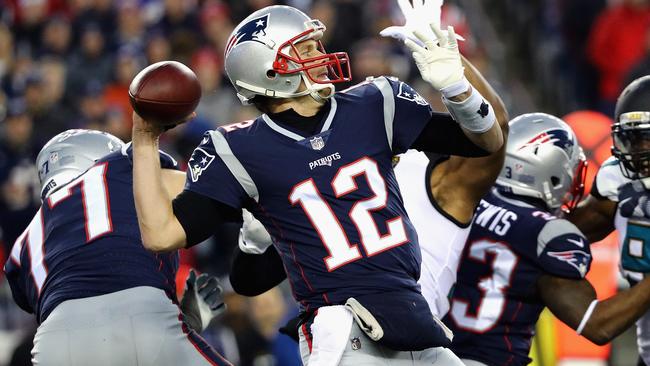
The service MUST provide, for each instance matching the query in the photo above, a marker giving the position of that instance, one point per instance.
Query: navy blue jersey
(84, 241)
(495, 304)
(330, 201)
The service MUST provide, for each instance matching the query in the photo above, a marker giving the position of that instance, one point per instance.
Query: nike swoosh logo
(579, 243)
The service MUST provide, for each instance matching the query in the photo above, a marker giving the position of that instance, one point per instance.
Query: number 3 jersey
(330, 201)
(495, 305)
(84, 241)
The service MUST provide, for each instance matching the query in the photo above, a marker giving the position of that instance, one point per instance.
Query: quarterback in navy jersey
(520, 257)
(316, 170)
(80, 266)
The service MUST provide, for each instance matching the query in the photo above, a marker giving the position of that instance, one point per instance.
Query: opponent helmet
(71, 153)
(543, 161)
(259, 59)
(631, 129)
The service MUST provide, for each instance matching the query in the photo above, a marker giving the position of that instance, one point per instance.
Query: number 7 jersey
(85, 241)
(330, 201)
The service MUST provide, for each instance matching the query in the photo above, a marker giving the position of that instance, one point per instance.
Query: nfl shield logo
(317, 143)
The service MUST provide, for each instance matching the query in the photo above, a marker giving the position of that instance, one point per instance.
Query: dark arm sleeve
(443, 135)
(200, 216)
(254, 274)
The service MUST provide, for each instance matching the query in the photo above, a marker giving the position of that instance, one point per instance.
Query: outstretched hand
(418, 16)
(439, 64)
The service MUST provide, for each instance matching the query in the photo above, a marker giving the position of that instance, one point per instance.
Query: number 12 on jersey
(329, 227)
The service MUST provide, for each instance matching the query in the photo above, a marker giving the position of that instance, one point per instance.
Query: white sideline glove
(202, 300)
(418, 16)
(253, 237)
(439, 64)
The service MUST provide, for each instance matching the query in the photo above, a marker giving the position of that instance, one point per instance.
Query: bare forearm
(613, 316)
(569, 300)
(158, 225)
(595, 218)
(479, 83)
(494, 138)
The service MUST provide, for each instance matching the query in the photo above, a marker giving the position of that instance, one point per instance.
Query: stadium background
(68, 64)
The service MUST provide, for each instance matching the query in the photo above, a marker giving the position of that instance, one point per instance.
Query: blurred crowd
(574, 54)
(68, 64)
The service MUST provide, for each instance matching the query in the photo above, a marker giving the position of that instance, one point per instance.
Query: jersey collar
(294, 136)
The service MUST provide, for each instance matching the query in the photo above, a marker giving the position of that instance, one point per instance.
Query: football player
(520, 257)
(99, 296)
(619, 194)
(315, 169)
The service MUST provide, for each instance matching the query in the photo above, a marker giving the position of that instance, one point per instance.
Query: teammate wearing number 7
(316, 170)
(520, 257)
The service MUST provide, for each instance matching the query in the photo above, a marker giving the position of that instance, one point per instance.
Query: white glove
(202, 301)
(439, 64)
(418, 16)
(253, 237)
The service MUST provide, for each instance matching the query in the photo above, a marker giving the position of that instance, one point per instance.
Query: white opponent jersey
(633, 232)
(441, 237)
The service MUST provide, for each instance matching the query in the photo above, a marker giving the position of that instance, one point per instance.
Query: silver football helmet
(69, 154)
(544, 161)
(261, 56)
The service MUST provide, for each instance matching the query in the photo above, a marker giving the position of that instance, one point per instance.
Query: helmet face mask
(577, 190)
(337, 63)
(631, 137)
(543, 161)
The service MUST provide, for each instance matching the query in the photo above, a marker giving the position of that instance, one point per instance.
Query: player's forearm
(494, 138)
(155, 215)
(594, 218)
(613, 316)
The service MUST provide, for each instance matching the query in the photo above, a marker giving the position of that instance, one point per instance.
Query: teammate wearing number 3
(520, 257)
(316, 170)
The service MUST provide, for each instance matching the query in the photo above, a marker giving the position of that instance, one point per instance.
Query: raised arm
(572, 301)
(441, 66)
(160, 229)
(459, 183)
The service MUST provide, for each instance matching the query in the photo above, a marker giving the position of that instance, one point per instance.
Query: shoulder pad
(562, 250)
(609, 178)
(557, 228)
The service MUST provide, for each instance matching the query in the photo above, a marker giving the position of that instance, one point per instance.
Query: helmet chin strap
(311, 89)
(314, 89)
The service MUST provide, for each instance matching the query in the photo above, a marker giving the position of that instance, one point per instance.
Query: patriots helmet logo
(576, 258)
(558, 137)
(199, 162)
(253, 30)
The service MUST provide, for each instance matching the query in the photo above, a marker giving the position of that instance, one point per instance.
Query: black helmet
(631, 129)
